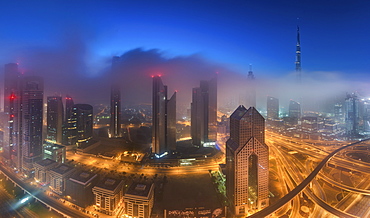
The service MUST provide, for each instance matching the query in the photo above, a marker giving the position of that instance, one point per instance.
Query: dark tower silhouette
(32, 116)
(272, 108)
(115, 112)
(204, 113)
(11, 110)
(70, 131)
(164, 119)
(298, 58)
(82, 114)
(54, 119)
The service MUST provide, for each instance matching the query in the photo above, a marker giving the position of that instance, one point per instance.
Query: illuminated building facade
(272, 108)
(204, 113)
(115, 113)
(11, 141)
(70, 125)
(54, 152)
(41, 170)
(59, 176)
(32, 118)
(164, 119)
(82, 119)
(247, 162)
(54, 119)
(108, 195)
(139, 200)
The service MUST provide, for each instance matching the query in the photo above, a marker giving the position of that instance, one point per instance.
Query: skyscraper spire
(250, 73)
(298, 57)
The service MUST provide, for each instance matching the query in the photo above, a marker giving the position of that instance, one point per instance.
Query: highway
(272, 208)
(319, 154)
(49, 202)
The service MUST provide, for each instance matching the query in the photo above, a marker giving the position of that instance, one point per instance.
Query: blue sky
(71, 42)
(334, 34)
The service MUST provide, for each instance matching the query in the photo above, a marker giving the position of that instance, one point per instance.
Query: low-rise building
(108, 195)
(139, 199)
(54, 152)
(59, 176)
(41, 170)
(79, 188)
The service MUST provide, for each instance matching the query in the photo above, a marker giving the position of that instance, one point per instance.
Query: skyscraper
(32, 112)
(70, 128)
(11, 83)
(298, 57)
(164, 119)
(247, 162)
(82, 116)
(54, 119)
(250, 94)
(204, 112)
(115, 112)
(352, 115)
(294, 110)
(272, 108)
(11, 108)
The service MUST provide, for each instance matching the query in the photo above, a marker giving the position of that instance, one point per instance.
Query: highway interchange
(297, 176)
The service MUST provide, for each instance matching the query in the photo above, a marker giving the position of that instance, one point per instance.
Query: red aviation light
(12, 97)
(11, 115)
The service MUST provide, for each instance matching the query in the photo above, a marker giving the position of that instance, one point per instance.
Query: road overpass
(40, 196)
(272, 208)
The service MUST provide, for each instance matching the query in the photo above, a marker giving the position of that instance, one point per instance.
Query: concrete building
(59, 176)
(42, 170)
(108, 195)
(247, 163)
(54, 152)
(139, 200)
(79, 188)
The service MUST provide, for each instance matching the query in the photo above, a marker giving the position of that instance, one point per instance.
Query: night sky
(73, 41)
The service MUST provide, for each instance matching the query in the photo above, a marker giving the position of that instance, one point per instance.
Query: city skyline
(262, 36)
(140, 109)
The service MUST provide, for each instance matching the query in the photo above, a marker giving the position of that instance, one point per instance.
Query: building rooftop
(139, 189)
(62, 169)
(109, 183)
(83, 177)
(239, 112)
(45, 162)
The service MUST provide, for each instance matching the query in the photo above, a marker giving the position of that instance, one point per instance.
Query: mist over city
(184, 109)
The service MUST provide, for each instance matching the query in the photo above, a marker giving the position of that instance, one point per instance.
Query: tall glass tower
(247, 162)
(164, 119)
(115, 112)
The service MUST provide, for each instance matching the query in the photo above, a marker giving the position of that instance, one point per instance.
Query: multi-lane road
(272, 208)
